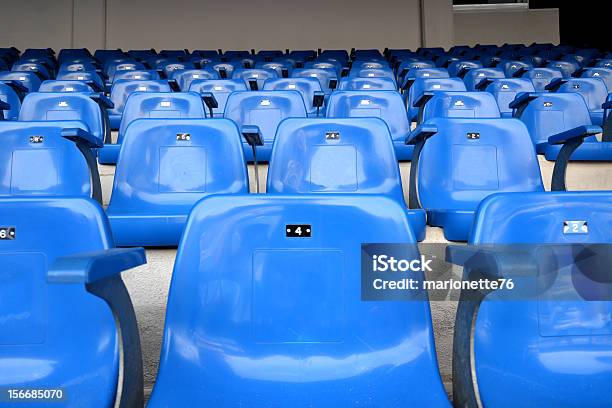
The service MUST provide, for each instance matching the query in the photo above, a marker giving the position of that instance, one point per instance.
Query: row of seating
(279, 273)
(305, 337)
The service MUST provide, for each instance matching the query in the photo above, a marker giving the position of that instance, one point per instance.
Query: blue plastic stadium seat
(386, 105)
(48, 158)
(326, 64)
(372, 73)
(137, 74)
(157, 105)
(168, 67)
(11, 97)
(505, 91)
(122, 89)
(283, 68)
(474, 77)
(411, 64)
(593, 90)
(461, 67)
(307, 87)
(338, 156)
(541, 77)
(515, 68)
(184, 77)
(122, 66)
(36, 68)
(605, 74)
(264, 109)
(91, 78)
(66, 320)
(90, 109)
(328, 78)
(283, 321)
(456, 104)
(369, 64)
(225, 69)
(364, 84)
(70, 66)
(604, 63)
(567, 68)
(459, 162)
(415, 73)
(220, 88)
(550, 114)
(28, 79)
(52, 85)
(254, 78)
(165, 166)
(540, 347)
(422, 85)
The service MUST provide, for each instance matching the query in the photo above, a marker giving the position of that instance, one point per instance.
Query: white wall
(499, 27)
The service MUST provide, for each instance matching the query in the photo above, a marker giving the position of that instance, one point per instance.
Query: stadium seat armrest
(79, 135)
(318, 99)
(102, 100)
(607, 104)
(519, 72)
(4, 106)
(406, 84)
(421, 133)
(333, 83)
(554, 85)
(252, 135)
(481, 85)
(522, 98)
(174, 85)
(422, 99)
(210, 100)
(95, 86)
(17, 86)
(492, 261)
(91, 267)
(577, 132)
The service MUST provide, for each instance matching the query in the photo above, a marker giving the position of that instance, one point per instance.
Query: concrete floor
(148, 285)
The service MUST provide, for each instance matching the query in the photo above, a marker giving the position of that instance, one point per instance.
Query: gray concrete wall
(511, 26)
(148, 285)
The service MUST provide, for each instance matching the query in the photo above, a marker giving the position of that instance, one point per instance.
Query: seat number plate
(298, 230)
(7, 233)
(473, 135)
(36, 139)
(183, 136)
(332, 135)
(575, 227)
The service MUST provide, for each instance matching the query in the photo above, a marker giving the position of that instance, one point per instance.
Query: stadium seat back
(259, 75)
(605, 74)
(553, 113)
(474, 76)
(594, 92)
(365, 84)
(334, 156)
(8, 95)
(37, 160)
(567, 68)
(310, 324)
(161, 105)
(220, 88)
(324, 75)
(506, 90)
(386, 105)
(43, 321)
(137, 74)
(71, 106)
(422, 85)
(541, 77)
(28, 79)
(123, 88)
(559, 321)
(165, 166)
(51, 85)
(184, 77)
(469, 159)
(265, 109)
(305, 86)
(461, 105)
